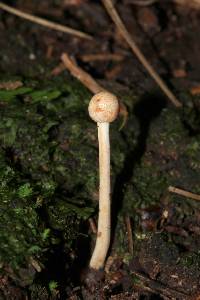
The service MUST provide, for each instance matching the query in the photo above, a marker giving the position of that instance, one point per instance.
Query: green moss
(190, 260)
(19, 220)
(9, 95)
(171, 157)
(25, 190)
(49, 152)
(46, 186)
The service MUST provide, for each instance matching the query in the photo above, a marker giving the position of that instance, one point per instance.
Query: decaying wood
(184, 193)
(129, 234)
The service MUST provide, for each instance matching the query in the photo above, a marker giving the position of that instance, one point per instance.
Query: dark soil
(165, 263)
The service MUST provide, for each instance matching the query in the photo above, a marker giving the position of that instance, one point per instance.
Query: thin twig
(129, 234)
(184, 193)
(156, 286)
(122, 29)
(44, 22)
(101, 57)
(10, 85)
(86, 58)
(141, 2)
(81, 75)
(49, 52)
(88, 81)
(58, 69)
(93, 225)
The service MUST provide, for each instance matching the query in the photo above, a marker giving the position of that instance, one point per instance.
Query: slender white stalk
(103, 109)
(103, 233)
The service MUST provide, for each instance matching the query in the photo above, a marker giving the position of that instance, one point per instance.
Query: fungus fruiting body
(103, 109)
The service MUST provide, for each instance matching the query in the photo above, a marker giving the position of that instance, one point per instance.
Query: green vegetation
(48, 172)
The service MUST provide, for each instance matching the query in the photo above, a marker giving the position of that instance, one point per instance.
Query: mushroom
(103, 109)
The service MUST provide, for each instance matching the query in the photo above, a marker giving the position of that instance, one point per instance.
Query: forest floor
(165, 264)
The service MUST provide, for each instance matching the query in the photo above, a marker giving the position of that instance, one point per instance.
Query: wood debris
(10, 85)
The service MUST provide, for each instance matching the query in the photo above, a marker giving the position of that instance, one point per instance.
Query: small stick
(11, 85)
(195, 90)
(184, 193)
(156, 286)
(81, 75)
(124, 32)
(58, 69)
(109, 262)
(141, 2)
(49, 52)
(93, 226)
(113, 72)
(44, 22)
(129, 233)
(88, 81)
(102, 57)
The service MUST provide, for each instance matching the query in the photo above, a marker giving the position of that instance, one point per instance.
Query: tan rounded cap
(103, 107)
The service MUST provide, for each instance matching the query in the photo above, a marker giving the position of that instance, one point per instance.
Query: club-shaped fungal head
(103, 107)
